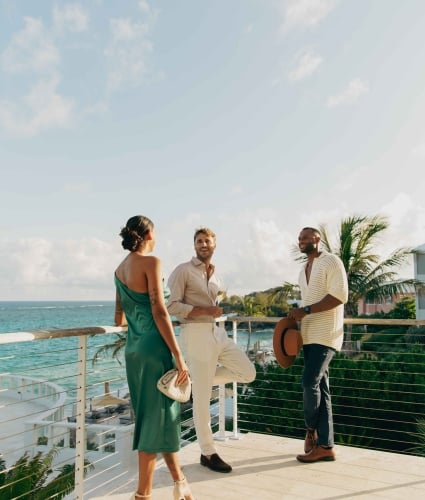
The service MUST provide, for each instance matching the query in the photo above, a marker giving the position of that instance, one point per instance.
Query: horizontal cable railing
(61, 359)
(377, 385)
(60, 399)
(59, 396)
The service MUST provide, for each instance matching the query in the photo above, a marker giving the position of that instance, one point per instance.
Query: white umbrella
(107, 399)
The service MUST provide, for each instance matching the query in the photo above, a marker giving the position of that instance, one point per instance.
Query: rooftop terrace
(263, 458)
(265, 468)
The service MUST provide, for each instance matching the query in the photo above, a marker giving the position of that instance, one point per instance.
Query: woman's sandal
(182, 490)
(138, 495)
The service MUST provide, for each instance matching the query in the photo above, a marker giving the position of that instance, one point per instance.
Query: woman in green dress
(150, 348)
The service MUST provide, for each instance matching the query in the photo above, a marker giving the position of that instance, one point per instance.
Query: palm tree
(28, 478)
(368, 275)
(115, 348)
(287, 291)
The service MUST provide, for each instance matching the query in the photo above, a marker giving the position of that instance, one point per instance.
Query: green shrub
(415, 335)
(376, 397)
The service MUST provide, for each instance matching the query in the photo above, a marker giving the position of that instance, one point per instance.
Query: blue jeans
(316, 393)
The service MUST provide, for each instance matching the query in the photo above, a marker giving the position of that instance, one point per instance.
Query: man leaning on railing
(324, 291)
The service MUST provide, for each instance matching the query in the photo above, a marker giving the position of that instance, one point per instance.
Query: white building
(419, 261)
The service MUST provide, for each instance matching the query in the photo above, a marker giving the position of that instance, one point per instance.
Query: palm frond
(368, 274)
(113, 348)
(324, 238)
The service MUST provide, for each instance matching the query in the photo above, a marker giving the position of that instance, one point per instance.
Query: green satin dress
(147, 357)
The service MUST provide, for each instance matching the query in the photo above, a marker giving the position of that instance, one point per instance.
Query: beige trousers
(212, 359)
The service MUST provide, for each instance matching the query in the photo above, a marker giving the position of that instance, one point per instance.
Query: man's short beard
(201, 258)
(310, 248)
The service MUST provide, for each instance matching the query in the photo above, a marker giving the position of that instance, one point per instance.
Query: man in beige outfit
(212, 357)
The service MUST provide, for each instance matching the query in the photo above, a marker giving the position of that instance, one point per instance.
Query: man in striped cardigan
(324, 291)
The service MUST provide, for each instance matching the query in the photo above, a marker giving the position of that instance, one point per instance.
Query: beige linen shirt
(327, 276)
(189, 287)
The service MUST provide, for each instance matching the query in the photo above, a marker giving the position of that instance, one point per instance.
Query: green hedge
(377, 398)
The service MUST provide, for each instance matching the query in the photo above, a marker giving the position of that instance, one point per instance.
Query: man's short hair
(204, 230)
(315, 231)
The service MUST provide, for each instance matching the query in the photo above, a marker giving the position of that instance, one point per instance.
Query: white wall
(419, 260)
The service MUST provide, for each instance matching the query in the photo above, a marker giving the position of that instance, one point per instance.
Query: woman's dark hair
(135, 231)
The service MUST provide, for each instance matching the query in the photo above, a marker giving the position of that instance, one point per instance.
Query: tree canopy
(369, 275)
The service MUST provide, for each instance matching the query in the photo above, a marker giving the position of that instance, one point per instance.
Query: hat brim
(287, 342)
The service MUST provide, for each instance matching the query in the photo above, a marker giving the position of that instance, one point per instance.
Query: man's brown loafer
(317, 454)
(310, 440)
(215, 463)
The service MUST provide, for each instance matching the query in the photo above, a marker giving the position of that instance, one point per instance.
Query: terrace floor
(265, 468)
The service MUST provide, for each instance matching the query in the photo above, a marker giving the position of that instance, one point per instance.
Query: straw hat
(287, 342)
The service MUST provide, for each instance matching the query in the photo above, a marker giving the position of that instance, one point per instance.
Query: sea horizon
(33, 358)
(6, 301)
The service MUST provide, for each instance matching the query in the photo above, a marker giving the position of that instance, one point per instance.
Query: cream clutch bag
(167, 385)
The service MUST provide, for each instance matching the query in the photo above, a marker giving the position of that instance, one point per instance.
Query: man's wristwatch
(307, 309)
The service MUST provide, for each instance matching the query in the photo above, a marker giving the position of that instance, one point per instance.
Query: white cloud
(398, 208)
(406, 228)
(307, 63)
(124, 30)
(144, 6)
(39, 268)
(407, 220)
(254, 252)
(127, 52)
(263, 259)
(304, 13)
(89, 261)
(30, 50)
(42, 109)
(419, 151)
(33, 50)
(406, 225)
(35, 270)
(71, 17)
(253, 249)
(350, 94)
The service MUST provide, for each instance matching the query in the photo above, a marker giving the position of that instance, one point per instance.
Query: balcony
(54, 400)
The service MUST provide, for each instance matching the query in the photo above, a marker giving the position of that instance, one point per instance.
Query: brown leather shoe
(317, 454)
(215, 463)
(310, 440)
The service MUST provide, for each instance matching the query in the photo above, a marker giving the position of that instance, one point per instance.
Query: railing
(378, 386)
(47, 407)
(56, 402)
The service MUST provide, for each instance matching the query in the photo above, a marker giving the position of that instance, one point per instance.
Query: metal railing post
(221, 435)
(235, 434)
(80, 431)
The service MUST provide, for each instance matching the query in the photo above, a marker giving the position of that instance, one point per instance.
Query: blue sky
(253, 117)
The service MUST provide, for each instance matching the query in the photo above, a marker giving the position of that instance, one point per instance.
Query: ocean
(55, 359)
(41, 315)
